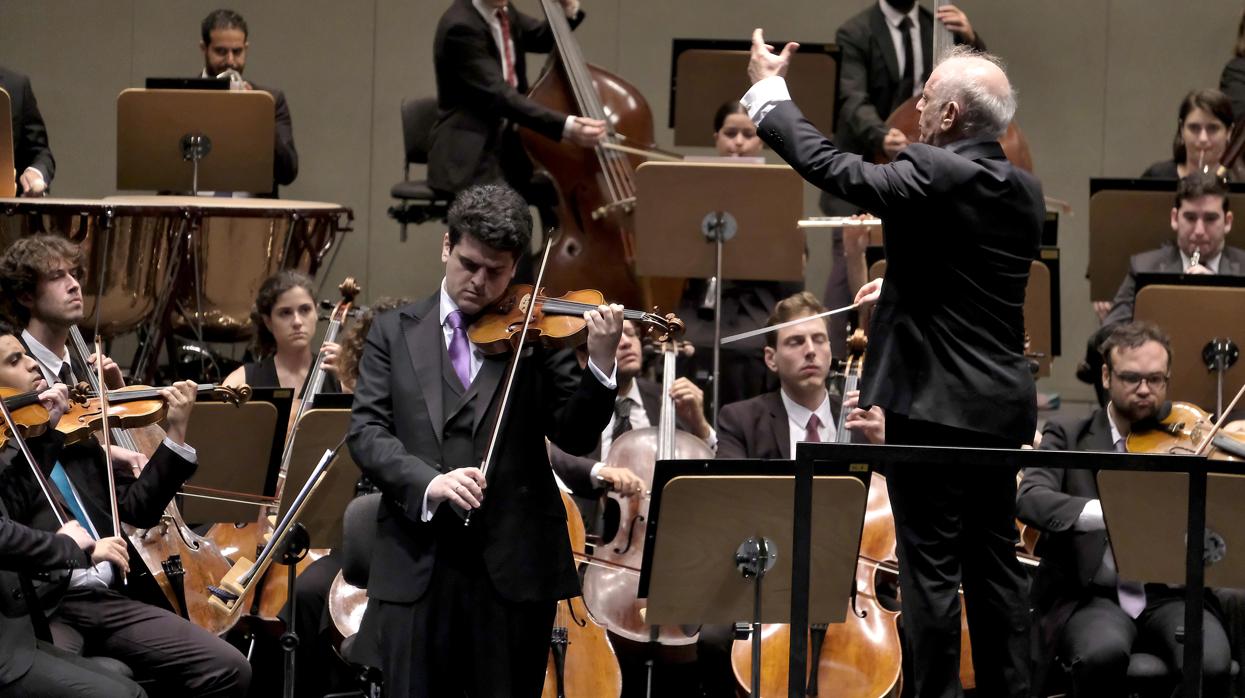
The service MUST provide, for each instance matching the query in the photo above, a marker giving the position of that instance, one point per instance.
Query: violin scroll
(234, 395)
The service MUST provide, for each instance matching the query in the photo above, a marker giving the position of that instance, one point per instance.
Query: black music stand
(683, 208)
(1204, 315)
(719, 540)
(187, 140)
(239, 451)
(318, 430)
(817, 458)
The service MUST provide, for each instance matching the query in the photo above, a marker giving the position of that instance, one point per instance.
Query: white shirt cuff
(566, 127)
(184, 450)
(425, 514)
(712, 440)
(763, 96)
(572, 10)
(592, 474)
(609, 381)
(1090, 518)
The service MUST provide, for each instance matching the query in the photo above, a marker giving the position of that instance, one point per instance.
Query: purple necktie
(810, 430)
(460, 349)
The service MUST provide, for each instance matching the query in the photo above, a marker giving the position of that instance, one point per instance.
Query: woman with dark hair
(734, 135)
(285, 318)
(1201, 136)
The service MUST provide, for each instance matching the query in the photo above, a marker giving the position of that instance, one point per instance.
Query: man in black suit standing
(225, 42)
(480, 56)
(1087, 616)
(32, 157)
(457, 608)
(945, 359)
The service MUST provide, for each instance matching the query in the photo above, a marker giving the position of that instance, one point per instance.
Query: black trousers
(1099, 636)
(461, 638)
(60, 674)
(956, 526)
(183, 659)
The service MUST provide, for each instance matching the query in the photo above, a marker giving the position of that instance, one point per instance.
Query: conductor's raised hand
(870, 292)
(605, 326)
(463, 487)
(764, 63)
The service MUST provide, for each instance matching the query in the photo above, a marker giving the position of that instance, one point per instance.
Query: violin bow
(1223, 418)
(495, 436)
(62, 516)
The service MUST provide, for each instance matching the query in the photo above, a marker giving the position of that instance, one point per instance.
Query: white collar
(50, 361)
(1116, 436)
(488, 13)
(633, 393)
(894, 17)
(799, 414)
(447, 304)
(1211, 263)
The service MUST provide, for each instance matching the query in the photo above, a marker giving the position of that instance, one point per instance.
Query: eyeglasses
(1132, 381)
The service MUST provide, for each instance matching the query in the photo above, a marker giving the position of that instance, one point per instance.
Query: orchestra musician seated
(1201, 220)
(29, 665)
(1089, 619)
(87, 611)
(770, 425)
(225, 41)
(1202, 129)
(32, 156)
(284, 316)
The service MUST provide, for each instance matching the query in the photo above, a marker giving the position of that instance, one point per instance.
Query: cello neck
(120, 437)
(666, 422)
(576, 67)
(943, 41)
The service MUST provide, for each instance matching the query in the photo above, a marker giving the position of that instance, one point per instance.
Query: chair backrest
(358, 535)
(418, 117)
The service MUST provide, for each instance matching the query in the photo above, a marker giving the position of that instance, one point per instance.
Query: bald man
(945, 359)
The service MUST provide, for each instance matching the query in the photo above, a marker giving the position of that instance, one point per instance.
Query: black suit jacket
(284, 155)
(475, 102)
(24, 550)
(1051, 499)
(396, 437)
(30, 136)
(1232, 84)
(962, 227)
(1164, 260)
(576, 471)
(869, 77)
(758, 428)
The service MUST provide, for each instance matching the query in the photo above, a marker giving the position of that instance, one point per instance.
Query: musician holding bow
(457, 608)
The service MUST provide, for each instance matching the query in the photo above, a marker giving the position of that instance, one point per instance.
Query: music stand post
(755, 557)
(682, 206)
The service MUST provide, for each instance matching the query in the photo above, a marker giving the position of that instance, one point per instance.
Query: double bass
(596, 187)
(906, 118)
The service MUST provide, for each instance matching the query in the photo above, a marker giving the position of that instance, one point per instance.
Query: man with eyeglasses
(1089, 619)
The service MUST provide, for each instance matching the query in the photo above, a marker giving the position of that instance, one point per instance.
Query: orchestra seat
(417, 202)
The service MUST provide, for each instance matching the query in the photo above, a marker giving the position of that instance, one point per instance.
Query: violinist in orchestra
(225, 41)
(284, 316)
(946, 348)
(1089, 618)
(31, 666)
(480, 56)
(88, 611)
(887, 54)
(456, 608)
(40, 276)
(32, 156)
(1202, 130)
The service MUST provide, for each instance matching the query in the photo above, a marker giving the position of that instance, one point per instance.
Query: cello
(178, 564)
(906, 118)
(610, 591)
(596, 188)
(861, 656)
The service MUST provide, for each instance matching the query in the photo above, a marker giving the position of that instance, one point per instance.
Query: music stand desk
(152, 126)
(319, 430)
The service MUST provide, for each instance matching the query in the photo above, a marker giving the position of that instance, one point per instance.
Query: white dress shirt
(49, 363)
(797, 420)
(893, 19)
(1211, 263)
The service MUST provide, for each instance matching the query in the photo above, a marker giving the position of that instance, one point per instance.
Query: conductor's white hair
(984, 112)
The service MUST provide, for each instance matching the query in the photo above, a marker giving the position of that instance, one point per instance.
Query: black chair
(418, 203)
(358, 535)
